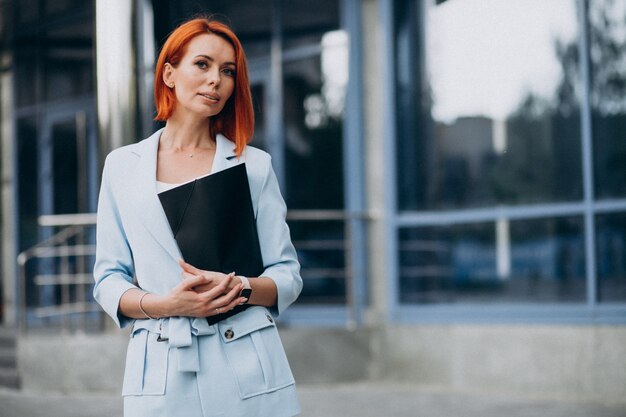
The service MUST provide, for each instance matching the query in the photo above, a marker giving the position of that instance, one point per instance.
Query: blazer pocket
(255, 353)
(146, 365)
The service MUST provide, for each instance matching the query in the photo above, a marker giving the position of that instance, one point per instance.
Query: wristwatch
(246, 291)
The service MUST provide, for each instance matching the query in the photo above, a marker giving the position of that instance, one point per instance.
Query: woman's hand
(219, 297)
(264, 290)
(213, 278)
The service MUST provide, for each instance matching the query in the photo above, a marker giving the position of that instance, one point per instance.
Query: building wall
(581, 363)
(574, 363)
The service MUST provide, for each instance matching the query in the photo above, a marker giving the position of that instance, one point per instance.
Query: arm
(113, 269)
(282, 268)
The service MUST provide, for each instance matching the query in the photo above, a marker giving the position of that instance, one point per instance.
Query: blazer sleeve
(279, 255)
(114, 268)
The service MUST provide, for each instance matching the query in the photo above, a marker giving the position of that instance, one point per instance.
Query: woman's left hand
(214, 278)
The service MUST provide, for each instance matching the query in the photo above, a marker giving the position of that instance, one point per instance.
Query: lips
(210, 96)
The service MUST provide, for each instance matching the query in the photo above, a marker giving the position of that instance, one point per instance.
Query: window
(608, 96)
(495, 200)
(611, 249)
(527, 261)
(487, 115)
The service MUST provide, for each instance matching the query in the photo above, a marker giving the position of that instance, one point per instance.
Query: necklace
(191, 154)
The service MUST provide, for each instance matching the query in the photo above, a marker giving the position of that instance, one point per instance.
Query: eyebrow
(212, 60)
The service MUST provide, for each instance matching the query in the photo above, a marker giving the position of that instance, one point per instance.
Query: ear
(168, 74)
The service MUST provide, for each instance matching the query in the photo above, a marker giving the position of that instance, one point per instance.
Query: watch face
(246, 292)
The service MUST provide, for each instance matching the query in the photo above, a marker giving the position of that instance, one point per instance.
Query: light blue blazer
(134, 241)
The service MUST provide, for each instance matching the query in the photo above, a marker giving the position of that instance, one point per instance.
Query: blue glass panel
(607, 24)
(611, 250)
(488, 99)
(519, 261)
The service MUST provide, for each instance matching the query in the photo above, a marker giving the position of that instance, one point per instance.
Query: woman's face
(204, 79)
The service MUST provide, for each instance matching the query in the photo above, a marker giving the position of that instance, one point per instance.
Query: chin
(211, 111)
(207, 114)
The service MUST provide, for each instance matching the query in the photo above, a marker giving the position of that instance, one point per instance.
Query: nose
(213, 77)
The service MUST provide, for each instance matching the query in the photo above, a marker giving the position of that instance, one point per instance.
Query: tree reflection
(607, 61)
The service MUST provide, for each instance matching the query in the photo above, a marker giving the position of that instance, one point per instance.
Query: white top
(166, 186)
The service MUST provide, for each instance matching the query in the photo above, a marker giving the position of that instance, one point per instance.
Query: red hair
(236, 120)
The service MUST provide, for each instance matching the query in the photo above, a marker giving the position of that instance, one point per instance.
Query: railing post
(21, 314)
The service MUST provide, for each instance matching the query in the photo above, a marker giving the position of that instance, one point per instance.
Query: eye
(229, 72)
(202, 64)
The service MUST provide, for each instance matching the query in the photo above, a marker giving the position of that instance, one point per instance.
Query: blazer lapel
(225, 156)
(149, 208)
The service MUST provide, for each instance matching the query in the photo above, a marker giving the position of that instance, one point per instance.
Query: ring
(218, 310)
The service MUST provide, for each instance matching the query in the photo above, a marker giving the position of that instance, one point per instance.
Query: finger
(227, 298)
(187, 275)
(216, 275)
(217, 290)
(189, 268)
(237, 301)
(188, 284)
(202, 288)
(224, 303)
(207, 279)
(225, 283)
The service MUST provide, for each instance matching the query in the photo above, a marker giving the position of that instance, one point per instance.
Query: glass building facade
(504, 166)
(509, 158)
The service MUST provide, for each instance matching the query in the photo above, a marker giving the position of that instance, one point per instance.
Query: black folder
(213, 222)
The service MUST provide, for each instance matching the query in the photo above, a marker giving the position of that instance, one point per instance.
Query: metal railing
(353, 267)
(64, 268)
(63, 263)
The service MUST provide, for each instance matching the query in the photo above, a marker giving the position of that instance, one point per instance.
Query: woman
(177, 363)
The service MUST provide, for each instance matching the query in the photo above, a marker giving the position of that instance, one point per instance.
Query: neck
(185, 133)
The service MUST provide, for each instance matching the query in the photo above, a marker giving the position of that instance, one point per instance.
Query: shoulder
(119, 164)
(256, 160)
(128, 154)
(259, 169)
(257, 157)
(121, 155)
(258, 166)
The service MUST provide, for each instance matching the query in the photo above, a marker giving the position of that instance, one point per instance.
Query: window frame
(588, 312)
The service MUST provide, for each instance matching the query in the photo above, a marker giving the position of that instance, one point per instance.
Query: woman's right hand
(183, 300)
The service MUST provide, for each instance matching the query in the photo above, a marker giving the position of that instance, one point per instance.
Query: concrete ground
(332, 400)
